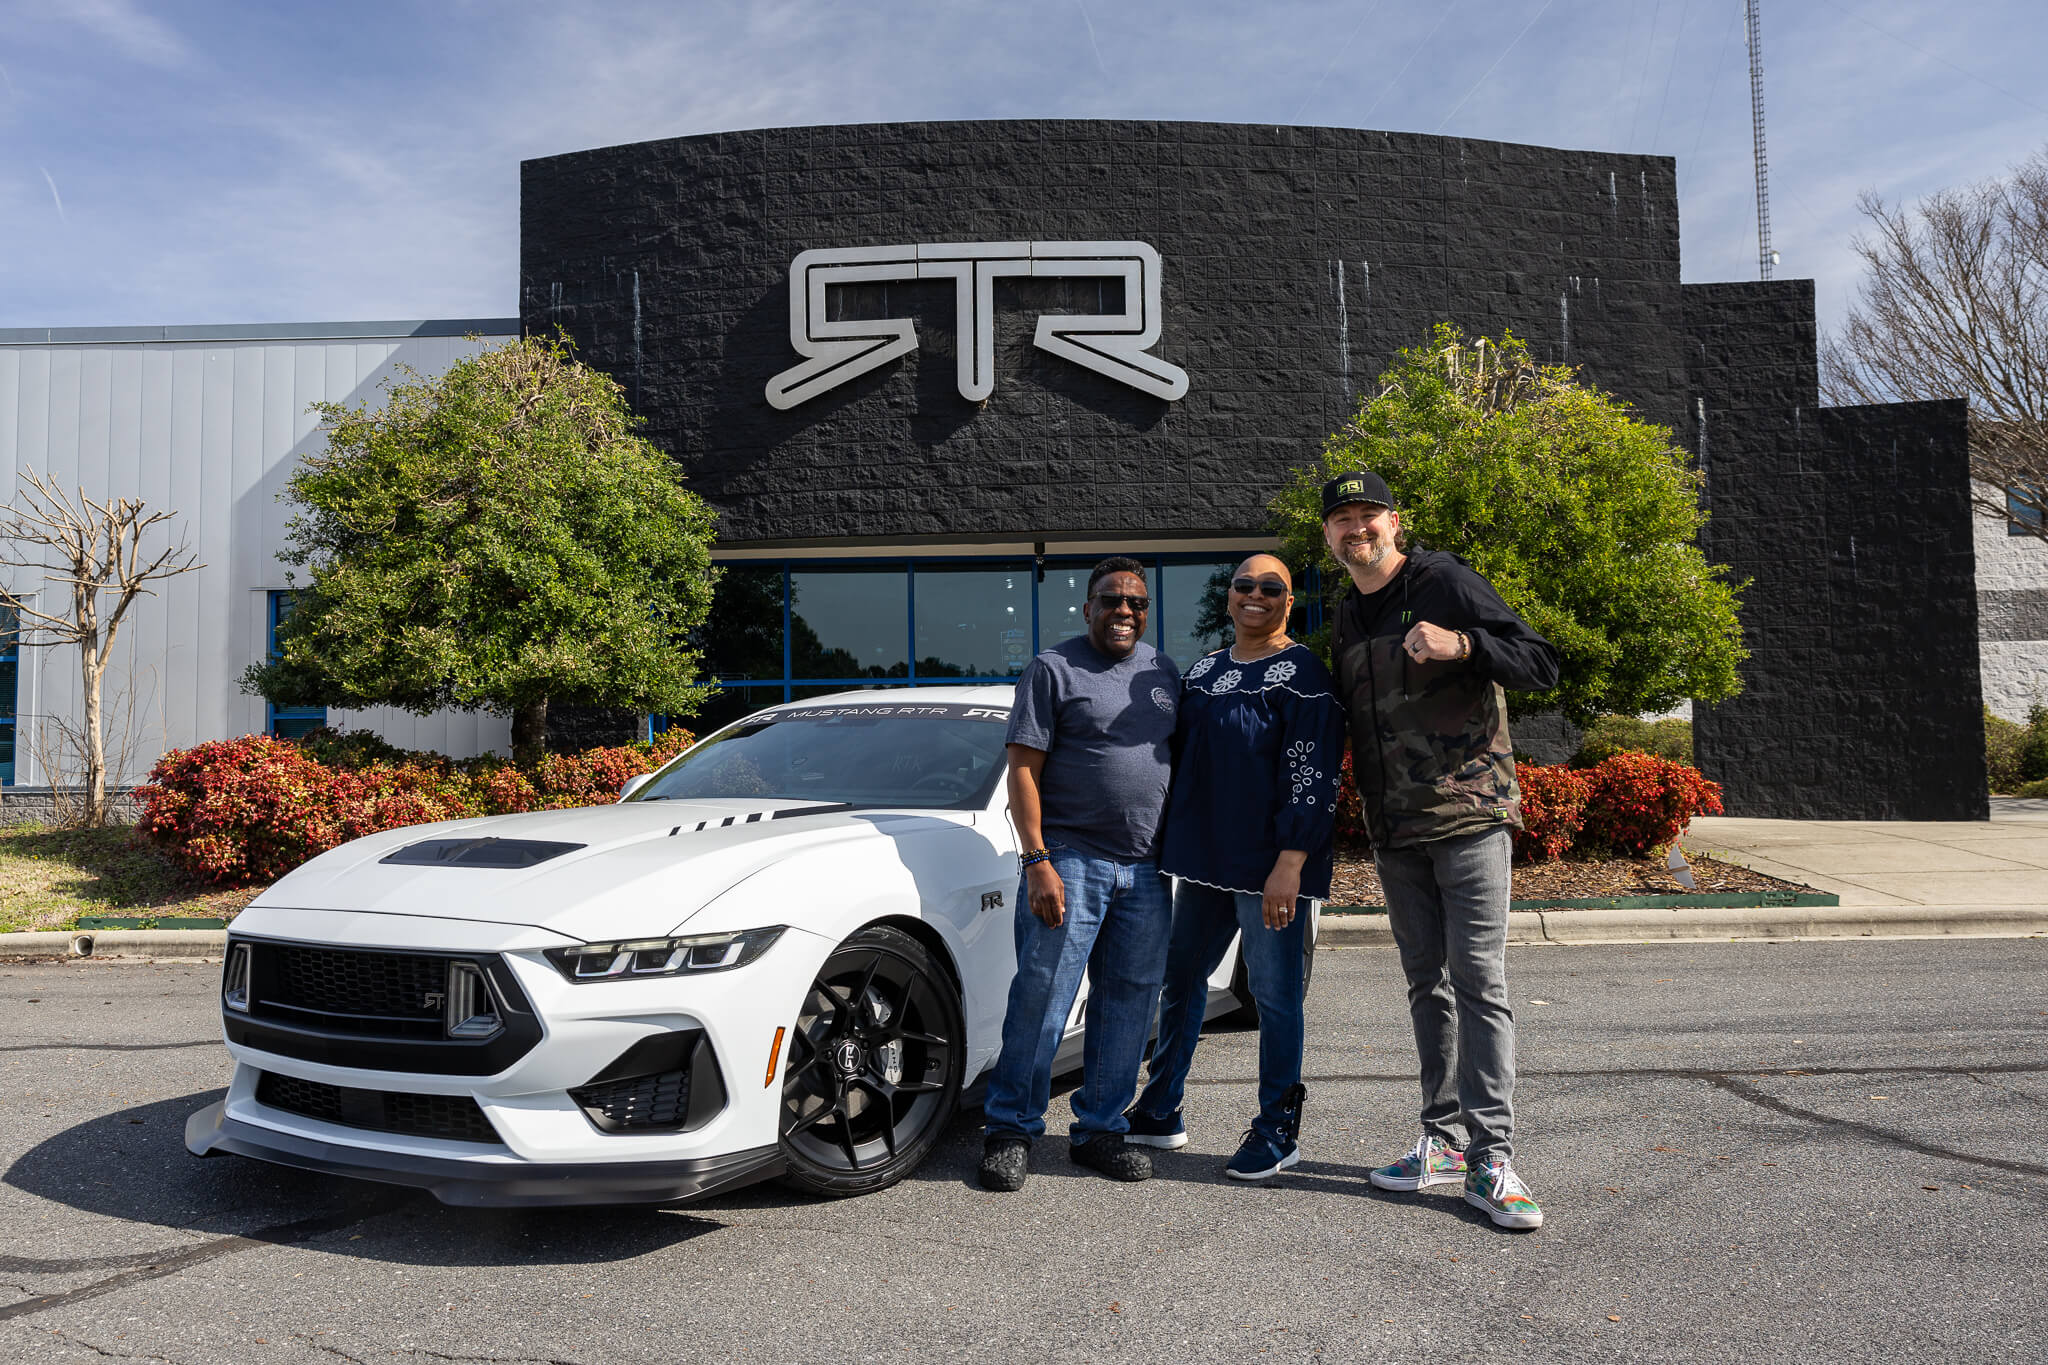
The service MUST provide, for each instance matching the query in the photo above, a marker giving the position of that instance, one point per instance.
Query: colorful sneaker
(1432, 1161)
(1496, 1188)
(1147, 1131)
(1260, 1157)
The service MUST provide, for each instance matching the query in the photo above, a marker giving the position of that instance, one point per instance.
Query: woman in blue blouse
(1250, 825)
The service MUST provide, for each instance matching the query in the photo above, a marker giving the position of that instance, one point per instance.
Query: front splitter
(467, 1184)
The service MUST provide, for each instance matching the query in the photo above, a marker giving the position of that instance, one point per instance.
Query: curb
(1721, 923)
(159, 943)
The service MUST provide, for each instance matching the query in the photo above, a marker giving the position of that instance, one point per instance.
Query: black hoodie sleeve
(1504, 649)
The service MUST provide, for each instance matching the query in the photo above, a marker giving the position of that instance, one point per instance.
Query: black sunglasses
(1265, 587)
(1113, 600)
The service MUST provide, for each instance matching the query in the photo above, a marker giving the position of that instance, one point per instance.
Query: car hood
(641, 868)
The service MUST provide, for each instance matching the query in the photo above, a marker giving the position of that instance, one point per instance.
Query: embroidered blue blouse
(1261, 746)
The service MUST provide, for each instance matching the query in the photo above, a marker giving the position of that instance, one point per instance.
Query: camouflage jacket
(1429, 740)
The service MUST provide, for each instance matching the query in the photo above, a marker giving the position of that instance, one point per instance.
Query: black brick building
(1294, 262)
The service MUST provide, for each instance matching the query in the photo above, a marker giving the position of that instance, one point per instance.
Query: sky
(240, 161)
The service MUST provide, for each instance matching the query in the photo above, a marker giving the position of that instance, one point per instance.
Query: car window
(937, 756)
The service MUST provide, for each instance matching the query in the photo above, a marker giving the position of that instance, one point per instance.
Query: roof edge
(261, 331)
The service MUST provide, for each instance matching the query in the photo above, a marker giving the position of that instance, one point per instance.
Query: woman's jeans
(1204, 918)
(1115, 929)
(1447, 903)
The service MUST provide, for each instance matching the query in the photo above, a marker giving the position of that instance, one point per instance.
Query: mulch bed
(1356, 883)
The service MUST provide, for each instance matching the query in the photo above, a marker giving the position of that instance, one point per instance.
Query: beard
(1365, 554)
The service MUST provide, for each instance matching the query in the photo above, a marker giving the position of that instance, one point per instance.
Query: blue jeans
(1115, 929)
(1447, 903)
(1204, 918)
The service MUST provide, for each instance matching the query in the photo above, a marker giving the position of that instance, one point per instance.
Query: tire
(875, 1066)
(1246, 1015)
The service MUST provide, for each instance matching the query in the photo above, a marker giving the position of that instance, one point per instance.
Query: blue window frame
(287, 722)
(10, 686)
(786, 629)
(2022, 517)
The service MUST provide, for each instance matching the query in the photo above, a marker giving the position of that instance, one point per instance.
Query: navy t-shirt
(1106, 727)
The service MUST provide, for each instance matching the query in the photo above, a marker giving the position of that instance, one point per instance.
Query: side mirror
(634, 784)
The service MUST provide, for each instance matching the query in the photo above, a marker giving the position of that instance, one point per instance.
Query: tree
(1583, 517)
(95, 549)
(498, 538)
(1954, 304)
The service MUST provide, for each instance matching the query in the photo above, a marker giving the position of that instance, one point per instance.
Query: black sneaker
(1260, 1157)
(1115, 1158)
(1005, 1162)
(1167, 1133)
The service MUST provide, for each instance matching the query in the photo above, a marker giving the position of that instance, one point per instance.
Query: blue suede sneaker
(1147, 1131)
(1260, 1157)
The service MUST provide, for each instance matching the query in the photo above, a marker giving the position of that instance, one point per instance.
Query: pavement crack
(111, 1355)
(331, 1350)
(1742, 1090)
(2009, 1090)
(492, 1360)
(281, 1234)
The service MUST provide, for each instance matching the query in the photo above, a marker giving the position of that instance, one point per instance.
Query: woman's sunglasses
(1265, 587)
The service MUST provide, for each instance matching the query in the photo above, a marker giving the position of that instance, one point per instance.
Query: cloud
(138, 36)
(58, 198)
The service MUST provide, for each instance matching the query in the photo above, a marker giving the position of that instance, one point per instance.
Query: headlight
(663, 956)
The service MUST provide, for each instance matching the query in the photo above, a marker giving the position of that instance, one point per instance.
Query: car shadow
(132, 1165)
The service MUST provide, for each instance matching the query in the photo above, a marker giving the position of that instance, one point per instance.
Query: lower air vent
(665, 1083)
(640, 1102)
(456, 1118)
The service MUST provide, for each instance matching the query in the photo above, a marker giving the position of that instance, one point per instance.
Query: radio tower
(1765, 257)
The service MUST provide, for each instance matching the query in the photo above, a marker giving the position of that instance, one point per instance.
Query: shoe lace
(1420, 1152)
(1506, 1183)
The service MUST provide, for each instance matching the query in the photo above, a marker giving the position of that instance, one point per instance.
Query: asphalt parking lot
(1746, 1152)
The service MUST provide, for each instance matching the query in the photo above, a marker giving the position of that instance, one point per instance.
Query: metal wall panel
(209, 430)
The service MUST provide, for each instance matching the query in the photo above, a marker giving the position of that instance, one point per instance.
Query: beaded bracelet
(1036, 855)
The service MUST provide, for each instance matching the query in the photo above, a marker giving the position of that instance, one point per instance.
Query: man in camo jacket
(1423, 647)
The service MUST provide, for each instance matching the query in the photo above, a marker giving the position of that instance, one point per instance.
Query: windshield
(931, 757)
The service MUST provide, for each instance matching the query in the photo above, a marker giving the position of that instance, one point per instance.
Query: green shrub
(2034, 747)
(2003, 742)
(1607, 736)
(2035, 789)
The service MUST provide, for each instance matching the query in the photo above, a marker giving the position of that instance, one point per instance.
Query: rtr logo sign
(1112, 344)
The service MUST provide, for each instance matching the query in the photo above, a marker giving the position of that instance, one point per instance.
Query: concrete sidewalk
(2002, 862)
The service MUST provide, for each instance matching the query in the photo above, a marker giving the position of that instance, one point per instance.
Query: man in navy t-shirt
(1091, 754)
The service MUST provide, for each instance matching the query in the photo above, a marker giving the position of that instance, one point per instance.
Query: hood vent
(503, 854)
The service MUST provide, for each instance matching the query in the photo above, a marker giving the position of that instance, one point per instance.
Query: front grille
(398, 994)
(380, 1009)
(455, 1117)
(637, 1102)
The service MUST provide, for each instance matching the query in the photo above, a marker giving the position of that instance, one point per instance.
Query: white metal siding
(210, 431)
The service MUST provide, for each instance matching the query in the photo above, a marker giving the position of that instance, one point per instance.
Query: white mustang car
(786, 953)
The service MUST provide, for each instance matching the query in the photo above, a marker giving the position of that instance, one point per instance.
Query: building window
(10, 681)
(2022, 516)
(287, 722)
(784, 630)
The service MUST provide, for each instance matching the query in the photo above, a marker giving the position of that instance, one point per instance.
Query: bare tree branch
(1954, 304)
(94, 549)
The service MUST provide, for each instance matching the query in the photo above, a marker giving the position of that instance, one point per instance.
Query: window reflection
(849, 623)
(742, 638)
(973, 623)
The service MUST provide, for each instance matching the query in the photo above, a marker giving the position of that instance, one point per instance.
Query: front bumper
(481, 1184)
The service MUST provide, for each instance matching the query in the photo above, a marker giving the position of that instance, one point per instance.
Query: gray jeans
(1447, 903)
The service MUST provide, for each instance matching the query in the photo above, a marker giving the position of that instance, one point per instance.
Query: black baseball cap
(1355, 486)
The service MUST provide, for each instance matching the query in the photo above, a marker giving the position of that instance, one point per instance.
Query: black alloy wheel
(874, 1067)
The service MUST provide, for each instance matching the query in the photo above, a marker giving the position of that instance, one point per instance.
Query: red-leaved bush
(1639, 802)
(248, 810)
(1553, 809)
(1627, 805)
